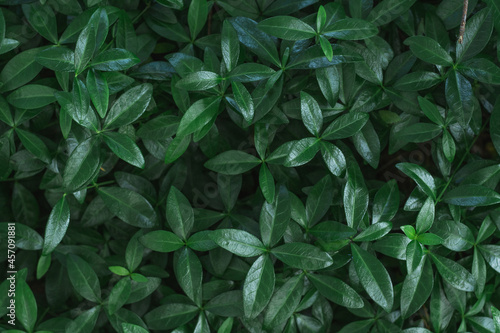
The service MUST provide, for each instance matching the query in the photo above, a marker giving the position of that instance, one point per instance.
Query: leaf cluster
(250, 166)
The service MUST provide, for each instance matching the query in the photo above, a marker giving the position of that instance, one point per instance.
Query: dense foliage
(250, 165)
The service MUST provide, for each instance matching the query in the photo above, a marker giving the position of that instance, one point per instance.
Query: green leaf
(388, 10)
(176, 148)
(456, 236)
(26, 306)
(312, 117)
(34, 145)
(459, 97)
(255, 39)
(56, 226)
(374, 232)
(431, 111)
(5, 113)
(99, 91)
(425, 217)
(355, 196)
(350, 29)
(302, 256)
(232, 162)
(20, 70)
(83, 278)
(427, 49)
(386, 202)
(336, 291)
(57, 59)
(114, 60)
(80, 109)
(284, 302)
(417, 288)
(328, 80)
(170, 316)
(125, 148)
(131, 328)
(119, 270)
(88, 40)
(85, 322)
(266, 183)
(32, 96)
(161, 241)
(345, 126)
(286, 27)
(226, 326)
(480, 69)
(119, 295)
(189, 273)
(472, 195)
(42, 19)
(422, 177)
(129, 106)
(496, 318)
(319, 200)
(274, 218)
(367, 144)
(258, 286)
(82, 165)
(129, 206)
(230, 46)
(180, 216)
(302, 152)
(239, 242)
(418, 80)
(333, 157)
(453, 273)
(197, 16)
(373, 277)
(243, 100)
(429, 239)
(476, 36)
(491, 254)
(202, 80)
(327, 48)
(250, 72)
(199, 114)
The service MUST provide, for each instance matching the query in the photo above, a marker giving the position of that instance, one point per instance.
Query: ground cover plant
(249, 166)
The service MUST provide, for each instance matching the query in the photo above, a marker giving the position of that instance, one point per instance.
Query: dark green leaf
(56, 226)
(454, 273)
(124, 147)
(427, 49)
(161, 241)
(302, 256)
(232, 162)
(129, 206)
(129, 106)
(286, 27)
(83, 278)
(336, 290)
(258, 287)
(374, 277)
(239, 242)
